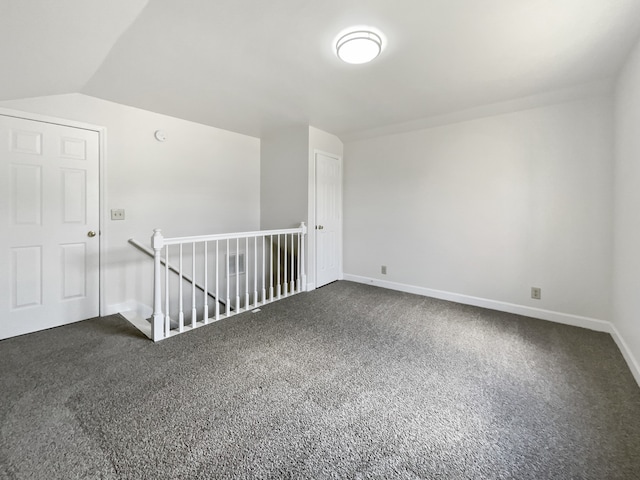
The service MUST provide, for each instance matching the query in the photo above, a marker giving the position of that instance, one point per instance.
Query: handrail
(149, 252)
(230, 236)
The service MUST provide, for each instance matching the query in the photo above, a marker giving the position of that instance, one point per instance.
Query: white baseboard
(119, 307)
(135, 312)
(626, 353)
(565, 318)
(550, 315)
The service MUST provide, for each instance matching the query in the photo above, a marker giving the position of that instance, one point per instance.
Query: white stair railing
(265, 259)
(172, 268)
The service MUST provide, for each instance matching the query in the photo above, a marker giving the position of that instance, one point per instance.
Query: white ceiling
(254, 65)
(51, 47)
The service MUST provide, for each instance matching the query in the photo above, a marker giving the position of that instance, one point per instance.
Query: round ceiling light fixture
(359, 46)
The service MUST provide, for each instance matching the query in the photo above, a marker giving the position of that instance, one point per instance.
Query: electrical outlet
(117, 214)
(536, 293)
(383, 269)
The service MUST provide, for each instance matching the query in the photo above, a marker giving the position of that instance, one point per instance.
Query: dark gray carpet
(348, 381)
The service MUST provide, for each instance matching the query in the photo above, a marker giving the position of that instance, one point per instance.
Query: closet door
(49, 212)
(328, 228)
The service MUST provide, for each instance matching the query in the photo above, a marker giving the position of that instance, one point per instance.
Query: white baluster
(237, 275)
(303, 274)
(292, 286)
(217, 290)
(285, 284)
(180, 309)
(194, 312)
(158, 317)
(255, 271)
(246, 273)
(167, 319)
(206, 285)
(228, 306)
(279, 281)
(271, 269)
(263, 277)
(299, 279)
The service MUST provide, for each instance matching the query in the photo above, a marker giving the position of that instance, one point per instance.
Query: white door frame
(311, 237)
(102, 136)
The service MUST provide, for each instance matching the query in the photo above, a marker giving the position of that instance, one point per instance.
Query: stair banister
(289, 277)
(174, 269)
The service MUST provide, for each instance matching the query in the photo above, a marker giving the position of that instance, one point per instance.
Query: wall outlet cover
(117, 214)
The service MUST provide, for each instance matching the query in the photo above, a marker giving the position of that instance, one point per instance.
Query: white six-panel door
(328, 218)
(49, 212)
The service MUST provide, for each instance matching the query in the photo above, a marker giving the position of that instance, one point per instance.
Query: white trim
(104, 237)
(47, 119)
(129, 305)
(135, 312)
(558, 317)
(633, 364)
(571, 94)
(550, 315)
(102, 204)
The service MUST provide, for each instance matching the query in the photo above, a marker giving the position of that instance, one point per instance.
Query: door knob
(91, 234)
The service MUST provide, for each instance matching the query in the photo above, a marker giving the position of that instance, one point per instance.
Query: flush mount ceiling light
(359, 46)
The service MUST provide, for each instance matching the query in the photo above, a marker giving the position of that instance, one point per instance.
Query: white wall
(201, 180)
(490, 207)
(287, 183)
(626, 258)
(283, 177)
(324, 142)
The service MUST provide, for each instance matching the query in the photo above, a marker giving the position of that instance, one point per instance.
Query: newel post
(157, 242)
(302, 257)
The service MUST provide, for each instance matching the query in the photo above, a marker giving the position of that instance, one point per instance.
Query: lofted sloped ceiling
(253, 65)
(52, 47)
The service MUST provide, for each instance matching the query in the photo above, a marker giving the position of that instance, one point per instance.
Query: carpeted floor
(348, 381)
